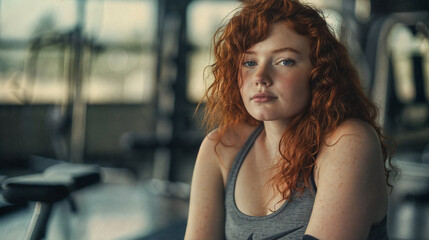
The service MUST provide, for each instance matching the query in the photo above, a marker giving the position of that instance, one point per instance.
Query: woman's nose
(262, 77)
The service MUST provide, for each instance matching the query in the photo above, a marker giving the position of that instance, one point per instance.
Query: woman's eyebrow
(286, 49)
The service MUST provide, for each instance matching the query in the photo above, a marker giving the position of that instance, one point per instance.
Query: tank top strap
(242, 155)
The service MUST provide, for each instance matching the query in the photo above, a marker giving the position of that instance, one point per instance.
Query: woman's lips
(263, 97)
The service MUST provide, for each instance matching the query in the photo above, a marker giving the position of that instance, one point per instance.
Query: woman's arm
(351, 187)
(206, 210)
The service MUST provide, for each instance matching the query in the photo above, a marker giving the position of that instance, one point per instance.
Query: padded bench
(54, 184)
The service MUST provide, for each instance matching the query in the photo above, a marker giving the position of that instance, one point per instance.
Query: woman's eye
(249, 63)
(287, 62)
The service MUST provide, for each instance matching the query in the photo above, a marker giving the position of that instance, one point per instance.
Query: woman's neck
(273, 132)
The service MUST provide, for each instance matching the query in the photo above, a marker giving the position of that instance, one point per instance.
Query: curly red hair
(336, 92)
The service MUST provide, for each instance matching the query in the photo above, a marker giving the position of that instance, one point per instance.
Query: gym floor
(120, 208)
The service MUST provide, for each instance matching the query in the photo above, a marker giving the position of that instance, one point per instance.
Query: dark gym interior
(112, 86)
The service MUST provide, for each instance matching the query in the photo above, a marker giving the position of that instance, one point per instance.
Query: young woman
(295, 150)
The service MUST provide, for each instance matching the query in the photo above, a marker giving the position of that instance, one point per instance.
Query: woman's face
(274, 75)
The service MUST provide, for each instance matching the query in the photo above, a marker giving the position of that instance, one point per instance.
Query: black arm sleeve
(309, 237)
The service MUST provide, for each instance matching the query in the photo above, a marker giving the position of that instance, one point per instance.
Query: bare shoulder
(216, 154)
(354, 144)
(222, 145)
(354, 128)
(233, 136)
(351, 188)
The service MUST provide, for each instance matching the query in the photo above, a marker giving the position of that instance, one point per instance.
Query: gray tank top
(288, 222)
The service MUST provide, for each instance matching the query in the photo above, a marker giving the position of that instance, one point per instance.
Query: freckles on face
(274, 75)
